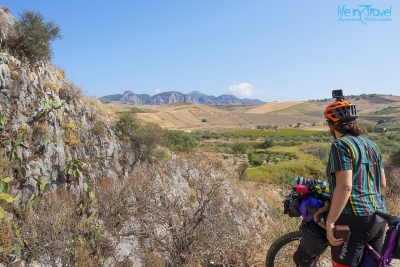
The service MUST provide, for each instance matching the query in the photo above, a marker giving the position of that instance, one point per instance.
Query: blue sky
(268, 50)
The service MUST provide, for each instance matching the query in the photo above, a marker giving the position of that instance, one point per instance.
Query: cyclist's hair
(347, 127)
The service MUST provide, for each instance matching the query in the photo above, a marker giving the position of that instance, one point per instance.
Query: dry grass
(6, 234)
(84, 257)
(151, 259)
(60, 74)
(71, 135)
(15, 74)
(70, 92)
(4, 166)
(41, 128)
(52, 87)
(25, 130)
(99, 128)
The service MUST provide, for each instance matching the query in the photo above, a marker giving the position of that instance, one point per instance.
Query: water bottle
(303, 180)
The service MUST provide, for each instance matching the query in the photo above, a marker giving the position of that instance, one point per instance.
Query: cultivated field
(192, 117)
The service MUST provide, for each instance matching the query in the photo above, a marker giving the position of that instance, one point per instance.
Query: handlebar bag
(291, 206)
(315, 203)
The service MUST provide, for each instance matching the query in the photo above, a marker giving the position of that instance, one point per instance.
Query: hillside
(191, 116)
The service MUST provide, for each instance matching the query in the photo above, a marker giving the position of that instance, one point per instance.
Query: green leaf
(80, 168)
(7, 142)
(43, 184)
(4, 196)
(28, 206)
(2, 120)
(17, 197)
(16, 249)
(7, 180)
(59, 114)
(10, 200)
(48, 105)
(77, 174)
(39, 115)
(85, 187)
(1, 249)
(36, 200)
(23, 171)
(18, 139)
(2, 213)
(2, 187)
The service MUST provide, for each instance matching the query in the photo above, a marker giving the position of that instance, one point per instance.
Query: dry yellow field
(192, 116)
(273, 106)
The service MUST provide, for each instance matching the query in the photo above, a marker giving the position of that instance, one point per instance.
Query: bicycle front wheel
(281, 252)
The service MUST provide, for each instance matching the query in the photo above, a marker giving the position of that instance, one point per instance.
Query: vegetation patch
(289, 109)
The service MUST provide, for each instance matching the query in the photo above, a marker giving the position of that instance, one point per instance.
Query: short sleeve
(340, 157)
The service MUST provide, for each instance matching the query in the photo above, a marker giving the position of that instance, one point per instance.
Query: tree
(34, 36)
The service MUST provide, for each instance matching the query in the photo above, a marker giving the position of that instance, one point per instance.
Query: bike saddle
(391, 220)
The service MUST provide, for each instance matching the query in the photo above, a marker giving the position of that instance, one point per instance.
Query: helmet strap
(332, 128)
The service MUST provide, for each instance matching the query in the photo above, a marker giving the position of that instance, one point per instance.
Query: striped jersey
(363, 156)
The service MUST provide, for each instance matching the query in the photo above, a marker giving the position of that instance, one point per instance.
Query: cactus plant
(72, 168)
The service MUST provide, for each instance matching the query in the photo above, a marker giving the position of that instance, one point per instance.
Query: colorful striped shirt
(363, 156)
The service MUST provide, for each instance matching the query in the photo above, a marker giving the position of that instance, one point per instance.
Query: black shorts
(363, 229)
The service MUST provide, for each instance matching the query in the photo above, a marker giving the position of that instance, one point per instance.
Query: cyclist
(356, 179)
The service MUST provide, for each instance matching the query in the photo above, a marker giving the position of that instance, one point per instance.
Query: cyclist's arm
(383, 179)
(341, 195)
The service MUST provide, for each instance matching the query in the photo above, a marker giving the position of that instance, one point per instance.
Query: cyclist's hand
(331, 236)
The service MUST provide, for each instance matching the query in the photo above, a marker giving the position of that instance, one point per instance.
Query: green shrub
(239, 147)
(204, 120)
(127, 123)
(256, 159)
(34, 36)
(179, 140)
(267, 144)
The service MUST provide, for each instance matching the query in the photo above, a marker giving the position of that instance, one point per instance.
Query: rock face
(173, 97)
(58, 123)
(79, 129)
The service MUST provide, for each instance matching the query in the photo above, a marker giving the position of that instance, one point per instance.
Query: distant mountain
(173, 96)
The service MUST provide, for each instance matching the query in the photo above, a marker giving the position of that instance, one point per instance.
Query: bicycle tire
(280, 253)
(274, 259)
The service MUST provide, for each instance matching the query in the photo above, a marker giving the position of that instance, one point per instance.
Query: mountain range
(173, 97)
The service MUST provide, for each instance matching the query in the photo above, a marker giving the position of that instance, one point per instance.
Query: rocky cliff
(57, 122)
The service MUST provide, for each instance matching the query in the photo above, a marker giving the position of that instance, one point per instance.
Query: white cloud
(157, 91)
(242, 90)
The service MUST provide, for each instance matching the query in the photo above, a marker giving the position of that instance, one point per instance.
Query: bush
(256, 159)
(179, 140)
(34, 36)
(239, 148)
(127, 123)
(267, 144)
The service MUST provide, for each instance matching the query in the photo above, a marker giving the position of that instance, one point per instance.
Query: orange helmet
(341, 110)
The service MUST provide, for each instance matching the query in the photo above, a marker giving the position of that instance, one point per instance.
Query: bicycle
(281, 251)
